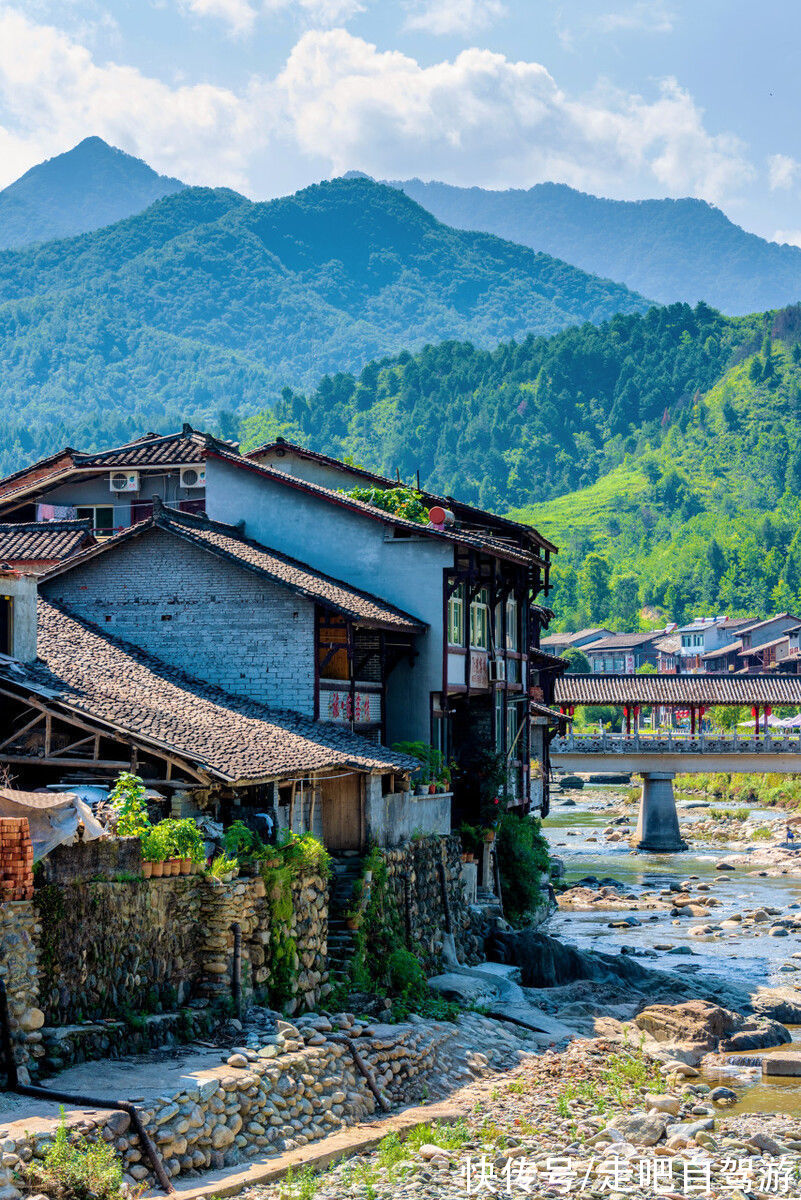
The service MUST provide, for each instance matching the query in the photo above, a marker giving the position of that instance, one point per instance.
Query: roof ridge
(47, 526)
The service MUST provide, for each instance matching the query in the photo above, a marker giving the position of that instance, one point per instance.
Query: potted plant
(154, 850)
(224, 868)
(186, 842)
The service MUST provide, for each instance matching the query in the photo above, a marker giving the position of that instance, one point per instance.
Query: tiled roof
(384, 481)
(678, 689)
(723, 651)
(227, 542)
(82, 669)
(764, 645)
(152, 450)
(668, 645)
(622, 641)
(572, 639)
(768, 621)
(478, 541)
(43, 540)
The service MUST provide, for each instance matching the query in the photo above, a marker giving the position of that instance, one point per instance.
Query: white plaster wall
(358, 550)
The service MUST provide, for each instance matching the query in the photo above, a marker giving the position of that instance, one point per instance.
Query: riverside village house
(251, 639)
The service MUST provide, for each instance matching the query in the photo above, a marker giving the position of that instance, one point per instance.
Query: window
(685, 640)
(513, 746)
(512, 625)
(101, 516)
(498, 722)
(479, 620)
(456, 617)
(6, 625)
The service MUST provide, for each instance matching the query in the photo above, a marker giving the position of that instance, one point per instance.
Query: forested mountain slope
(90, 186)
(668, 249)
(661, 452)
(208, 302)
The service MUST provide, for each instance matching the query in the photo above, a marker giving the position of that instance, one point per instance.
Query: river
(749, 958)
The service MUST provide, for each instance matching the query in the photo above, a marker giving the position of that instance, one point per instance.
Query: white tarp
(53, 818)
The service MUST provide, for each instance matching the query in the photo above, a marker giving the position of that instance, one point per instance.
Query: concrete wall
(97, 491)
(408, 572)
(315, 472)
(392, 819)
(22, 590)
(201, 614)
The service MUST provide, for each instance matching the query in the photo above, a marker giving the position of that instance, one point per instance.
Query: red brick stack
(16, 859)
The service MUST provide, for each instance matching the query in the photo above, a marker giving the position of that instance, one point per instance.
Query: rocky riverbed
(605, 1116)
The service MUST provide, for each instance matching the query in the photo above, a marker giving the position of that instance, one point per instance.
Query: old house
(624, 653)
(473, 579)
(35, 547)
(111, 489)
(557, 643)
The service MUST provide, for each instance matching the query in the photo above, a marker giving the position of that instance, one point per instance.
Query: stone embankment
(600, 1119)
(286, 1090)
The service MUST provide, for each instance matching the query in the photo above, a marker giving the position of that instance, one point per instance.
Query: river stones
(723, 1095)
(640, 1128)
(665, 1104)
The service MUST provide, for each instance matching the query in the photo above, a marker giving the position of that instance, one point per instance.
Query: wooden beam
(72, 746)
(48, 733)
(18, 733)
(112, 734)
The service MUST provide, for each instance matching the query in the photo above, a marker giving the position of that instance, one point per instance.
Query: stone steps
(346, 870)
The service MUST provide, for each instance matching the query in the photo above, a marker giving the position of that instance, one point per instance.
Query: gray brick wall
(197, 612)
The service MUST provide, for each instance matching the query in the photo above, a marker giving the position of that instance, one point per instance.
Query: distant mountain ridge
(88, 187)
(672, 250)
(208, 302)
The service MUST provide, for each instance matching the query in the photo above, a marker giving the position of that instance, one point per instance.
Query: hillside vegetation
(667, 249)
(207, 303)
(661, 452)
(88, 187)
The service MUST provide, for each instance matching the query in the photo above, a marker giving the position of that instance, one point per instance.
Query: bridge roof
(678, 689)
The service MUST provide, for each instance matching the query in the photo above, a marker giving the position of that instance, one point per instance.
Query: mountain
(90, 186)
(662, 453)
(207, 302)
(669, 249)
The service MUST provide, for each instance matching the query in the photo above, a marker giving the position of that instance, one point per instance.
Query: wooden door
(342, 813)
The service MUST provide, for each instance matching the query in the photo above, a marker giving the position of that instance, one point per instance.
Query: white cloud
(53, 94)
(791, 236)
(241, 15)
(483, 118)
(238, 15)
(460, 17)
(340, 103)
(644, 16)
(782, 171)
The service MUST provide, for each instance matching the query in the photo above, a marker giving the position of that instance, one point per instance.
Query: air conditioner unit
(497, 670)
(123, 481)
(193, 477)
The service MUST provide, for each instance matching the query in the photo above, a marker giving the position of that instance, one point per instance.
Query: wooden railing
(676, 742)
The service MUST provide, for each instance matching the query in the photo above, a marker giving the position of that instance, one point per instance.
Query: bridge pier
(658, 822)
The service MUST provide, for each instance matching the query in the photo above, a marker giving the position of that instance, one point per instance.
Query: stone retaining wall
(107, 948)
(301, 1085)
(416, 883)
(66, 1045)
(18, 969)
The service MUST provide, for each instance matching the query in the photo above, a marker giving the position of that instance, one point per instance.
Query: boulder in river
(640, 1128)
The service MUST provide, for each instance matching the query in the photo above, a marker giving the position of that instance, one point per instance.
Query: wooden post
(627, 715)
(292, 807)
(756, 720)
(692, 720)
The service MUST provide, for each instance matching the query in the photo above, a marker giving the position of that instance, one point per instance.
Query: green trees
(579, 663)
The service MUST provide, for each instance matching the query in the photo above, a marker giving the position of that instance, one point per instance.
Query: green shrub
(127, 798)
(304, 854)
(402, 501)
(76, 1170)
(184, 839)
(522, 858)
(241, 842)
(155, 843)
(223, 865)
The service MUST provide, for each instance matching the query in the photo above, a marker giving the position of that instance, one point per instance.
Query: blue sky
(624, 98)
